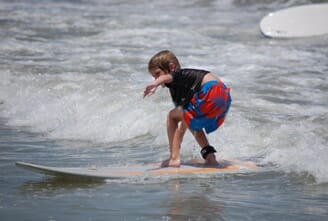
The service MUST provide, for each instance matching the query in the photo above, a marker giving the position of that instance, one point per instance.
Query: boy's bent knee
(175, 114)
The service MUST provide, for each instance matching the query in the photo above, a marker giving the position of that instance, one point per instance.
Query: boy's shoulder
(193, 71)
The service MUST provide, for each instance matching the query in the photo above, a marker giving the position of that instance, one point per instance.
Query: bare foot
(211, 160)
(171, 163)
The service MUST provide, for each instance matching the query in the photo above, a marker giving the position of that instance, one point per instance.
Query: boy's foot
(211, 160)
(171, 163)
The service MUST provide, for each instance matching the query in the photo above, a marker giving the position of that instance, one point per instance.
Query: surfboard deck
(299, 21)
(103, 173)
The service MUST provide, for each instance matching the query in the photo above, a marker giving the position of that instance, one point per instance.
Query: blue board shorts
(208, 107)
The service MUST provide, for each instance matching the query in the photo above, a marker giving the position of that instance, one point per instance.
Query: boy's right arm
(161, 80)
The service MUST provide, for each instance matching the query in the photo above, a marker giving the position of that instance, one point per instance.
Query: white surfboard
(103, 173)
(298, 21)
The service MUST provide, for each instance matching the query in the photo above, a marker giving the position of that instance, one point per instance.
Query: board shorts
(208, 107)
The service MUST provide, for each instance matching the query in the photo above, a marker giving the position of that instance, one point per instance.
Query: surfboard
(298, 21)
(104, 173)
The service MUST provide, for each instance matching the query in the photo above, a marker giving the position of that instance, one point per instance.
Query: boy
(201, 103)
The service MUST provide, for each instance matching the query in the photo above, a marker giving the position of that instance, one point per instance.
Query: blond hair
(162, 60)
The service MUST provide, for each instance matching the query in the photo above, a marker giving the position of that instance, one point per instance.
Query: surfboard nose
(299, 21)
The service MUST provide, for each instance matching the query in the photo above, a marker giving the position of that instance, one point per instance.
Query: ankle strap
(207, 150)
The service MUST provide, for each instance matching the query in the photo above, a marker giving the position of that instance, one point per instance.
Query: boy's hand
(149, 90)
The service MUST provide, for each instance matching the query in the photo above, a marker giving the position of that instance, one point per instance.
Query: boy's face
(157, 72)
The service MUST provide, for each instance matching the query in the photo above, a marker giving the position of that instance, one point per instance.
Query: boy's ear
(172, 67)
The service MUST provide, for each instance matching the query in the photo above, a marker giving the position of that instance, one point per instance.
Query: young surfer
(201, 103)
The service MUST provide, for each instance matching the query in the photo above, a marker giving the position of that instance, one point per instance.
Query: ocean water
(72, 78)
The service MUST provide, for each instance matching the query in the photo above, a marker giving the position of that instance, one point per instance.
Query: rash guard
(185, 83)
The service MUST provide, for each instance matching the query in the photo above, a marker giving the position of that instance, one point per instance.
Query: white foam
(70, 106)
(297, 148)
